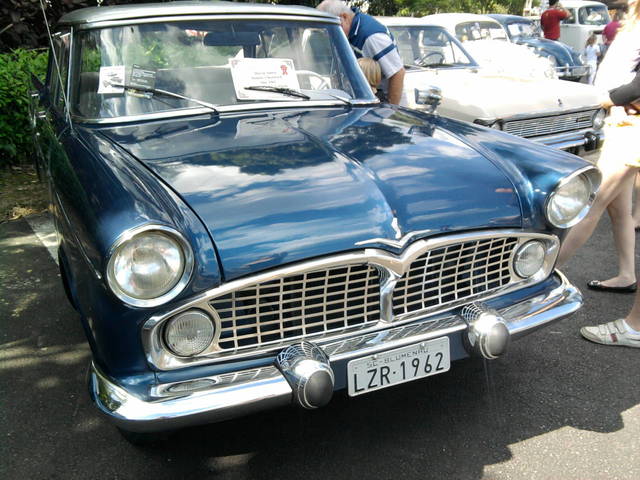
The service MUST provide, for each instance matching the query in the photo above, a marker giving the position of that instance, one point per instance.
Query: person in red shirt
(609, 32)
(550, 20)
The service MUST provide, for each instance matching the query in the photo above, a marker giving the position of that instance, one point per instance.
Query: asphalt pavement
(555, 407)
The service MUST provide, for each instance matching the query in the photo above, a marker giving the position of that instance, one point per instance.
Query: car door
(50, 118)
(570, 31)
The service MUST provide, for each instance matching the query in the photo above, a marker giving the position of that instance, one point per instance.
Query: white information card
(262, 72)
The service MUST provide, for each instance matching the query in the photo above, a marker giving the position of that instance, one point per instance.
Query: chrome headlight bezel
(179, 284)
(598, 118)
(523, 250)
(591, 176)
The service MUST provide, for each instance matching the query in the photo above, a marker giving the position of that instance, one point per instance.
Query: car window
(593, 15)
(483, 30)
(59, 69)
(207, 61)
(522, 29)
(572, 16)
(429, 47)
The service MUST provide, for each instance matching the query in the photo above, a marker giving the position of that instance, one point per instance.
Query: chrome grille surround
(460, 271)
(297, 306)
(550, 124)
(388, 279)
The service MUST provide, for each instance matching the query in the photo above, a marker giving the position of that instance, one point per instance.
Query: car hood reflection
(284, 187)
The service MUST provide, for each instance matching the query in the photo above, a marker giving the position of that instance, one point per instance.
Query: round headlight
(149, 267)
(529, 259)
(569, 202)
(189, 333)
(598, 118)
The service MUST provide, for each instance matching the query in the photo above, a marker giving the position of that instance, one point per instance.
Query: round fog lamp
(529, 259)
(189, 333)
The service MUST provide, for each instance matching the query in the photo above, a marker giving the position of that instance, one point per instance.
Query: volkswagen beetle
(569, 62)
(243, 225)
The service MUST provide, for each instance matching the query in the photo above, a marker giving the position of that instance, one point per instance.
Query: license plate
(397, 366)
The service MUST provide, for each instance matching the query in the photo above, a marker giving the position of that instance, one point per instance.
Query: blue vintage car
(568, 62)
(243, 225)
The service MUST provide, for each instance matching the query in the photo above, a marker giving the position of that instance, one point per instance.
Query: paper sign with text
(262, 72)
(110, 76)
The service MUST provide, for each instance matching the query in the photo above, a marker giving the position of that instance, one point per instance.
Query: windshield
(469, 31)
(429, 47)
(593, 15)
(213, 62)
(523, 30)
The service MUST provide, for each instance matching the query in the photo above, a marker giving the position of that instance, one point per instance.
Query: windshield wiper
(168, 94)
(285, 91)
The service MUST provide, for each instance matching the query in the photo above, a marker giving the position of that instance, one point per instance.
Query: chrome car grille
(300, 305)
(454, 273)
(533, 127)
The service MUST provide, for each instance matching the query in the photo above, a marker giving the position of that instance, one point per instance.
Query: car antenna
(57, 65)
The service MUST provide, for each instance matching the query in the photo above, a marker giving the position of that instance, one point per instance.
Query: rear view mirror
(231, 39)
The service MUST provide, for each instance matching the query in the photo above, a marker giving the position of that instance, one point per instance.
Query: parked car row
(243, 225)
(553, 112)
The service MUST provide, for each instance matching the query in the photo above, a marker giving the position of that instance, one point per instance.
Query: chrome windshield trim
(186, 18)
(191, 111)
(394, 266)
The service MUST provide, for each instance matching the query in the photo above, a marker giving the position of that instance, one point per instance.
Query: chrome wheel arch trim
(392, 268)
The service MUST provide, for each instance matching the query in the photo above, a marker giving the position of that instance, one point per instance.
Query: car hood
(471, 94)
(283, 187)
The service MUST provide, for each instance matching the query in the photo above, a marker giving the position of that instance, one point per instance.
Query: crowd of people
(618, 79)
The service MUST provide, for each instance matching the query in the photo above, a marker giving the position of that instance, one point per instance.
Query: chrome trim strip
(394, 265)
(564, 140)
(246, 391)
(216, 404)
(549, 113)
(187, 268)
(527, 316)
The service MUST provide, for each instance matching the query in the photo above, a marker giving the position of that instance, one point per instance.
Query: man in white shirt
(369, 38)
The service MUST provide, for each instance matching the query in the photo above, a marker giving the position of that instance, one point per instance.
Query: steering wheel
(422, 61)
(321, 82)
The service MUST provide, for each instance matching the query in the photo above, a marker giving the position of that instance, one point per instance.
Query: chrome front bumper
(575, 71)
(587, 138)
(217, 398)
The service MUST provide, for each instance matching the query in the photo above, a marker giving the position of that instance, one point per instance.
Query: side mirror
(430, 97)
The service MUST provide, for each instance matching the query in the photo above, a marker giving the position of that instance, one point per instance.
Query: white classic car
(557, 113)
(585, 18)
(488, 42)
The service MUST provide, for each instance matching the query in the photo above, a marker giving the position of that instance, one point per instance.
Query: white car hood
(469, 94)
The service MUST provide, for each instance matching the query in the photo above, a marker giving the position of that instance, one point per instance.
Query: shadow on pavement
(449, 426)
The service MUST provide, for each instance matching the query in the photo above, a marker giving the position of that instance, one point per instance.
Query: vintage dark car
(569, 63)
(242, 225)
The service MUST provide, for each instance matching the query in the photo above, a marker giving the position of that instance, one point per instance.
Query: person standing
(550, 20)
(369, 38)
(619, 163)
(592, 55)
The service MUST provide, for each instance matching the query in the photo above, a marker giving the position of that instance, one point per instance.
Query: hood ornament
(560, 104)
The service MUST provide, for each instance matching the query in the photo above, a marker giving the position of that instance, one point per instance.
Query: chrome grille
(454, 273)
(533, 127)
(299, 305)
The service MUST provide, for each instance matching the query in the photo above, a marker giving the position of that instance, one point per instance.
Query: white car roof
(404, 21)
(580, 3)
(450, 20)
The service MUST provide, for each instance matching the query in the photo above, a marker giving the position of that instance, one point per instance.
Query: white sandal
(612, 333)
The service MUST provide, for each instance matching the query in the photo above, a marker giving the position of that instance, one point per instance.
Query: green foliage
(426, 7)
(16, 143)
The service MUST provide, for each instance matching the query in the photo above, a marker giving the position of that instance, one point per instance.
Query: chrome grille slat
(536, 126)
(439, 277)
(299, 305)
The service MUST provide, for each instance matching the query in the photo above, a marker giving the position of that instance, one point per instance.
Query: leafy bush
(16, 145)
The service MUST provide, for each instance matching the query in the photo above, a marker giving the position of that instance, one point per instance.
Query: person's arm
(396, 83)
(626, 94)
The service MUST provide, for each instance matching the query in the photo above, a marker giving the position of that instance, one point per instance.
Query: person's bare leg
(623, 234)
(612, 178)
(636, 211)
